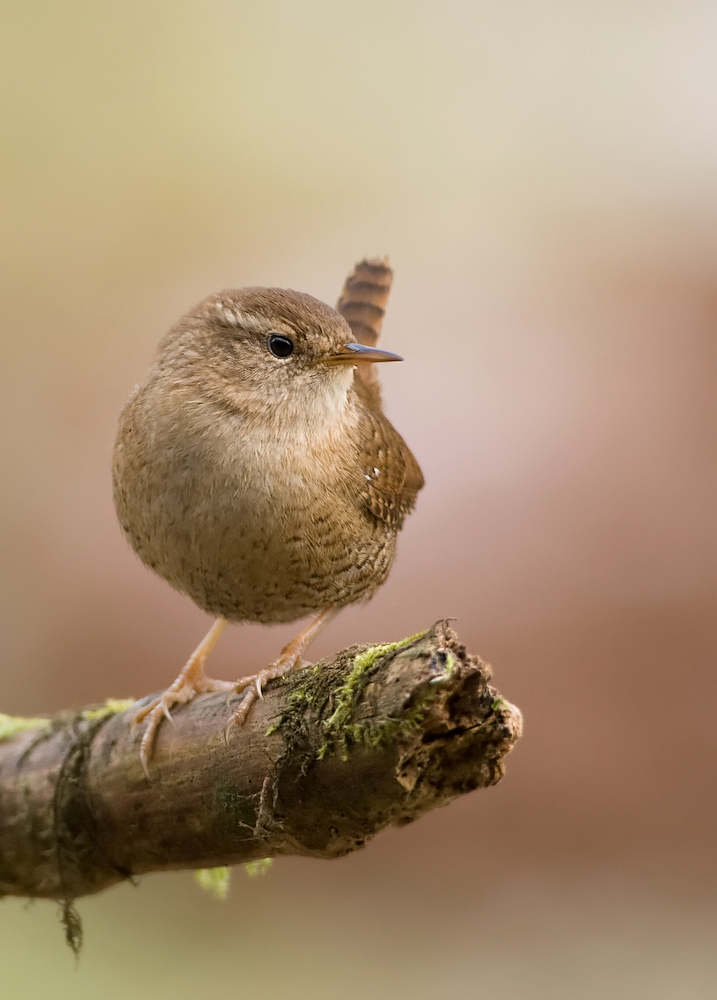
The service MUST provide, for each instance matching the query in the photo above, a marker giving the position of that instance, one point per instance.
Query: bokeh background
(542, 177)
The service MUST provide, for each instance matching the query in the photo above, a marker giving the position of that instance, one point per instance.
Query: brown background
(543, 179)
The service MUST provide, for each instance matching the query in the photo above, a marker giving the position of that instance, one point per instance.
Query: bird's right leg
(191, 681)
(290, 658)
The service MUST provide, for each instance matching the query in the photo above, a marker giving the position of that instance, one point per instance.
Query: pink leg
(289, 659)
(191, 681)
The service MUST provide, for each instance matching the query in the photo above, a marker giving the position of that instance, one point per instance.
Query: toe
(142, 713)
(147, 743)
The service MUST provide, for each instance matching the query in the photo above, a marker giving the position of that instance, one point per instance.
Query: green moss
(497, 704)
(362, 661)
(261, 867)
(12, 724)
(113, 706)
(374, 732)
(340, 730)
(214, 880)
(321, 685)
(332, 692)
(217, 880)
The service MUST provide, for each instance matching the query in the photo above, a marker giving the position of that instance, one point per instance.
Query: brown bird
(255, 471)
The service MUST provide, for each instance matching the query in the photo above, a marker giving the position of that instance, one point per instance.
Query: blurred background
(542, 177)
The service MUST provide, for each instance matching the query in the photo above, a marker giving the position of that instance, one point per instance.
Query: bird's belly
(258, 554)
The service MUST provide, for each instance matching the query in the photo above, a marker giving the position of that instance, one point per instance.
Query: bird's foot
(289, 659)
(191, 682)
(186, 687)
(251, 687)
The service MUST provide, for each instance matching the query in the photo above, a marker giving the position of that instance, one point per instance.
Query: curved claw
(145, 747)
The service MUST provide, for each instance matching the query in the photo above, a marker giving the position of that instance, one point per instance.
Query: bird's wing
(391, 475)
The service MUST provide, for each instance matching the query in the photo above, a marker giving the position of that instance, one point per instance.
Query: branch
(334, 753)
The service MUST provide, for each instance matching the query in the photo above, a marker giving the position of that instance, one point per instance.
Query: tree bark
(334, 753)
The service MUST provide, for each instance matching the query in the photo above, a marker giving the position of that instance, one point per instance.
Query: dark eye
(280, 346)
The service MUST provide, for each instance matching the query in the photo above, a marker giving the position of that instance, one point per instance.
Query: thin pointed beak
(352, 354)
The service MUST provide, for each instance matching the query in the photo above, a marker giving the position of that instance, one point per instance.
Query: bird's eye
(280, 346)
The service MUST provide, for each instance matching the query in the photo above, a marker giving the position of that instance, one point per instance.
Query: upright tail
(363, 304)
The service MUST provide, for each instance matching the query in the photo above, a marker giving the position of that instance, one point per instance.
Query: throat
(319, 412)
(320, 404)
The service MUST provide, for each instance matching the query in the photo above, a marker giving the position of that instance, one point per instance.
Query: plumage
(266, 487)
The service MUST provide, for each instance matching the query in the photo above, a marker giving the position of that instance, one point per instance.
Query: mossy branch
(334, 753)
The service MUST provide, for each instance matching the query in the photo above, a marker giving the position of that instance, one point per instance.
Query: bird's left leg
(289, 659)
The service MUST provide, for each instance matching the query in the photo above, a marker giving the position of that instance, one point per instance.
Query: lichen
(12, 724)
(72, 925)
(214, 880)
(237, 808)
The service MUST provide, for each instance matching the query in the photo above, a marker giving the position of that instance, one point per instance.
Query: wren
(255, 471)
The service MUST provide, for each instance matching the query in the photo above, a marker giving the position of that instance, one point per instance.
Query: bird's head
(262, 348)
